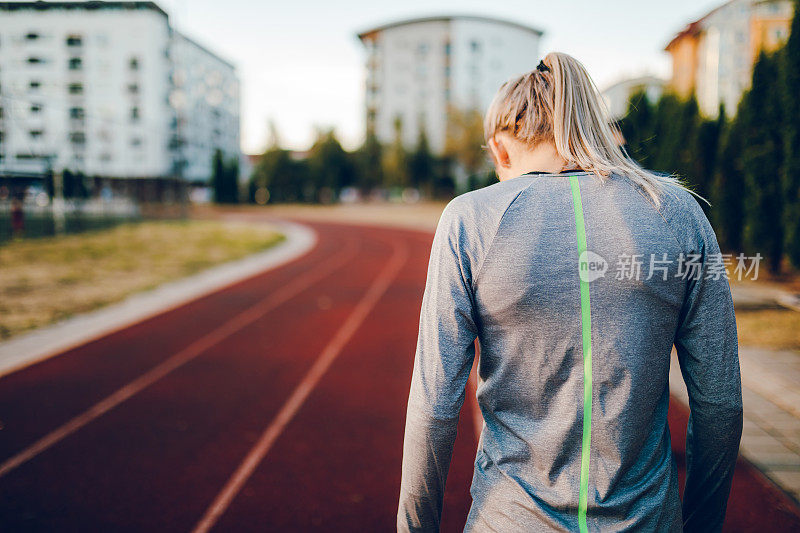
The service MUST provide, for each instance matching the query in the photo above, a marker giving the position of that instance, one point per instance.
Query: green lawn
(45, 280)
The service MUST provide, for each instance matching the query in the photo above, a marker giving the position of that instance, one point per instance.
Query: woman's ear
(499, 152)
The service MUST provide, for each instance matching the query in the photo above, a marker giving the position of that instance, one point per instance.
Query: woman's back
(576, 285)
(576, 291)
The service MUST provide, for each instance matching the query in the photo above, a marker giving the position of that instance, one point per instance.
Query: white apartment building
(205, 99)
(111, 90)
(417, 69)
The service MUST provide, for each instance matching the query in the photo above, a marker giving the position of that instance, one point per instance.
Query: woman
(577, 273)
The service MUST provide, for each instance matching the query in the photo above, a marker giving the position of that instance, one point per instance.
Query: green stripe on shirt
(586, 333)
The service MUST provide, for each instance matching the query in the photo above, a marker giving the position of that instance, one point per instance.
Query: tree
(762, 161)
(790, 174)
(464, 143)
(704, 165)
(637, 128)
(330, 167)
(74, 184)
(225, 178)
(676, 127)
(280, 177)
(727, 194)
(232, 179)
(421, 165)
(444, 185)
(395, 159)
(369, 170)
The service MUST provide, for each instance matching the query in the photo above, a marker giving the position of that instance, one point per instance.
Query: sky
(301, 65)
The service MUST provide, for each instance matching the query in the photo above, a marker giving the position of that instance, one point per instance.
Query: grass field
(769, 328)
(45, 280)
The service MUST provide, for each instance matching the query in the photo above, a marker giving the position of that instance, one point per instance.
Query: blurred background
(146, 142)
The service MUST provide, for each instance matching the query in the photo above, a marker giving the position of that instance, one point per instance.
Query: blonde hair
(559, 103)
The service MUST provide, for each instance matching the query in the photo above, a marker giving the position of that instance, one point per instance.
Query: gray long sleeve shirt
(576, 291)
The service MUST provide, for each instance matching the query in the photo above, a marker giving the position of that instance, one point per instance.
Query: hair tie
(541, 67)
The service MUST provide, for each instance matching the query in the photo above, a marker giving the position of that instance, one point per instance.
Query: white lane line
(301, 392)
(197, 347)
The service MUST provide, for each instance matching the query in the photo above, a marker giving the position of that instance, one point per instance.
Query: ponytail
(559, 103)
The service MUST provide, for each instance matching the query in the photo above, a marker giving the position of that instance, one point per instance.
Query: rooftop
(204, 49)
(694, 27)
(447, 18)
(92, 5)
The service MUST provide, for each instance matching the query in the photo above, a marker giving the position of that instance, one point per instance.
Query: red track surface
(158, 459)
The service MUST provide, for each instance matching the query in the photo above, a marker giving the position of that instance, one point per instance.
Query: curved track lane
(275, 404)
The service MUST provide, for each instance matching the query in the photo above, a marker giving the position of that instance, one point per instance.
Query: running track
(276, 404)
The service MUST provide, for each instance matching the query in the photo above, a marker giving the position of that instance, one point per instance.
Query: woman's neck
(524, 160)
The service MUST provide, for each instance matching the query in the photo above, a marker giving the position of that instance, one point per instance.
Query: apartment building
(205, 100)
(713, 56)
(110, 90)
(419, 69)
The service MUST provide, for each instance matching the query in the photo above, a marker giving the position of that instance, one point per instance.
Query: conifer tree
(791, 139)
(727, 194)
(421, 164)
(762, 162)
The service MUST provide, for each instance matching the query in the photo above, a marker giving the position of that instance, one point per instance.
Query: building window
(36, 134)
(32, 36)
(34, 85)
(475, 46)
(74, 40)
(77, 113)
(135, 116)
(447, 48)
(133, 88)
(75, 63)
(136, 142)
(133, 64)
(36, 108)
(33, 60)
(75, 88)
(77, 137)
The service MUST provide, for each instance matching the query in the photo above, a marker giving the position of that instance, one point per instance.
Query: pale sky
(301, 65)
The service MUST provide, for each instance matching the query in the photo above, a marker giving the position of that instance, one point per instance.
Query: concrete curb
(46, 342)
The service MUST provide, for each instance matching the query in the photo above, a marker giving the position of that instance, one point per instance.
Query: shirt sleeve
(444, 354)
(707, 348)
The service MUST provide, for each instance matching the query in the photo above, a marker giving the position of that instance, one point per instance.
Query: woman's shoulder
(486, 202)
(473, 218)
(680, 209)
